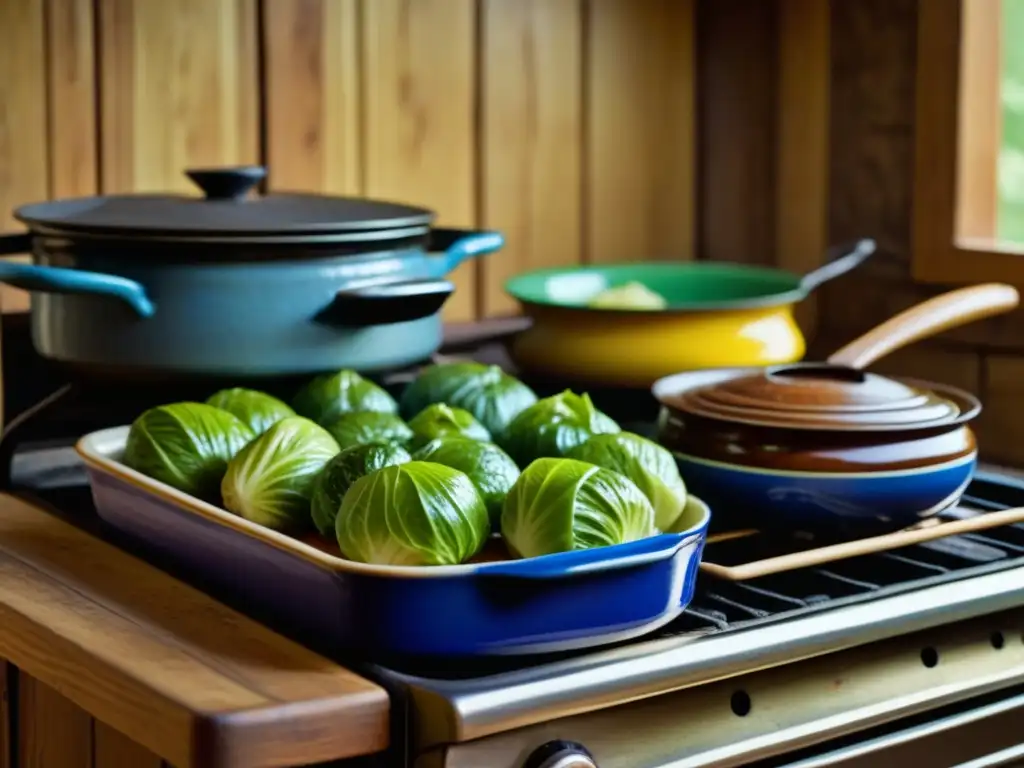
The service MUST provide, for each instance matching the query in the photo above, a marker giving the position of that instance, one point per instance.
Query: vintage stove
(912, 656)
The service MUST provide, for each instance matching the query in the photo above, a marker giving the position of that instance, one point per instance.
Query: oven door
(973, 735)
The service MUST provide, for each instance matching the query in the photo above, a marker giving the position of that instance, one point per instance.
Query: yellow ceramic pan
(714, 315)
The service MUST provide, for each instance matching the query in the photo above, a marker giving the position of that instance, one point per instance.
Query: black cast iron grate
(720, 605)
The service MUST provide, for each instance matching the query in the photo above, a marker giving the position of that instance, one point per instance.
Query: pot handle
(460, 245)
(386, 303)
(947, 310)
(850, 256)
(33, 277)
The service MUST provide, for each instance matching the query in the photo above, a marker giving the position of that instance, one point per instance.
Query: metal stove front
(949, 696)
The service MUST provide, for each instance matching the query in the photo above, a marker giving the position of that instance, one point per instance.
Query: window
(1010, 170)
(969, 164)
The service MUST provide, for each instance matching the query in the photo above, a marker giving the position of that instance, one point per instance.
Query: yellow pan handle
(948, 310)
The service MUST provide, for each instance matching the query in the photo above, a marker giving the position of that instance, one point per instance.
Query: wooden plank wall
(871, 167)
(873, 81)
(587, 130)
(567, 124)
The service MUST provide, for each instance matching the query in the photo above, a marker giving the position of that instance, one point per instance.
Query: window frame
(958, 117)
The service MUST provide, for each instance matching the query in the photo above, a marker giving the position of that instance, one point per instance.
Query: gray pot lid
(227, 210)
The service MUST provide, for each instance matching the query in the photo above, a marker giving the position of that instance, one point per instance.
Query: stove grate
(723, 605)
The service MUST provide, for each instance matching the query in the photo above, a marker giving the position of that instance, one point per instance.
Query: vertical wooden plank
(112, 749)
(23, 161)
(737, 55)
(419, 106)
(801, 190)
(640, 72)
(5, 714)
(980, 120)
(1001, 428)
(871, 193)
(178, 90)
(54, 733)
(313, 138)
(930, 194)
(531, 130)
(71, 97)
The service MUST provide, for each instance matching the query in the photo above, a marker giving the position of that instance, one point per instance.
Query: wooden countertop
(172, 669)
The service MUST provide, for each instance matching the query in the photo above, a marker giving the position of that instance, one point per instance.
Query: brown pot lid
(816, 397)
(227, 210)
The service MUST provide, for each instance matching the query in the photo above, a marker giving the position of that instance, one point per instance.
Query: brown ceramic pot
(829, 447)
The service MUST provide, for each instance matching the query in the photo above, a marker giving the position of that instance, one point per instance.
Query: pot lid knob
(227, 183)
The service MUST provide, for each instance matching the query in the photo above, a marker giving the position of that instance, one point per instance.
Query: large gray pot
(232, 285)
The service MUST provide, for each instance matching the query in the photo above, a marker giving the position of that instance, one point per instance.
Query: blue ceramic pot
(847, 503)
(228, 286)
(816, 448)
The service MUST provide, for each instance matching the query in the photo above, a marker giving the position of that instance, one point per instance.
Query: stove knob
(560, 754)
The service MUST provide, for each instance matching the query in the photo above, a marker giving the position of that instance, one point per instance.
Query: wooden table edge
(333, 727)
(221, 740)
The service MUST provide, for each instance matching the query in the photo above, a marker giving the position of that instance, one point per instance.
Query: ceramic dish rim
(781, 299)
(969, 458)
(89, 448)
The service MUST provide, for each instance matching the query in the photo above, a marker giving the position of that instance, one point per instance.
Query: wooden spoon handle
(948, 310)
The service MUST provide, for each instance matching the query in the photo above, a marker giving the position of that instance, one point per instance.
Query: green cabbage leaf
(552, 427)
(491, 469)
(492, 396)
(342, 471)
(561, 505)
(327, 397)
(418, 513)
(271, 480)
(257, 409)
(186, 445)
(652, 468)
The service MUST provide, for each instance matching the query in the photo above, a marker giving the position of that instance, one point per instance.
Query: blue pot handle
(586, 561)
(459, 245)
(32, 277)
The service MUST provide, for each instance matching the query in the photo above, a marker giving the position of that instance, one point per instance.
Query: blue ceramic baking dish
(538, 605)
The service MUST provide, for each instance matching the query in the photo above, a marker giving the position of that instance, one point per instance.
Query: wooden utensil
(948, 310)
(929, 530)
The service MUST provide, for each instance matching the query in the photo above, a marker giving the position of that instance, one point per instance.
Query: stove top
(733, 628)
(730, 627)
